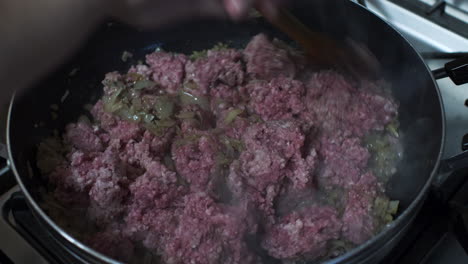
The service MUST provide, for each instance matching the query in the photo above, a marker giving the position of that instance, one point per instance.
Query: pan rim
(409, 213)
(38, 209)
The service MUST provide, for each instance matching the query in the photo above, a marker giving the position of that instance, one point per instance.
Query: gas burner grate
(437, 6)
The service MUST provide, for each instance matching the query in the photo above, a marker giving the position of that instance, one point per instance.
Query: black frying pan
(421, 111)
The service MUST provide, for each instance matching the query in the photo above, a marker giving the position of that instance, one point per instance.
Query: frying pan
(413, 85)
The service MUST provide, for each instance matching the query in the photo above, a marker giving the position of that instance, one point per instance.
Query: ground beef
(265, 60)
(269, 147)
(167, 69)
(158, 144)
(153, 227)
(236, 128)
(113, 244)
(224, 96)
(231, 156)
(208, 233)
(272, 153)
(125, 131)
(156, 188)
(197, 119)
(110, 81)
(349, 153)
(195, 160)
(299, 170)
(233, 129)
(140, 69)
(339, 104)
(105, 119)
(358, 223)
(280, 98)
(302, 233)
(82, 136)
(217, 68)
(106, 197)
(282, 137)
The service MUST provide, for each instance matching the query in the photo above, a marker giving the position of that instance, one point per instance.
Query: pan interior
(420, 108)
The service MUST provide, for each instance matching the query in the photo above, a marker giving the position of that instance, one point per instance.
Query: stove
(438, 29)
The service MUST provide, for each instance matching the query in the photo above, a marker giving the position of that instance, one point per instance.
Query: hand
(238, 9)
(152, 13)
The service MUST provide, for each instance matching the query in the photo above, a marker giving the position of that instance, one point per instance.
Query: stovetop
(438, 30)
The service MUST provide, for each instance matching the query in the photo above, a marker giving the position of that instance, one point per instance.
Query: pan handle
(457, 70)
(3, 154)
(454, 163)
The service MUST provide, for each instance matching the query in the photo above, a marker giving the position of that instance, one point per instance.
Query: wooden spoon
(351, 57)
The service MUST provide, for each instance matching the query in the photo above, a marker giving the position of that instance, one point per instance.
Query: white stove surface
(13, 245)
(424, 35)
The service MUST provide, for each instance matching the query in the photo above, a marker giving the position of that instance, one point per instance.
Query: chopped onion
(169, 162)
(165, 123)
(125, 114)
(117, 86)
(73, 72)
(255, 118)
(392, 128)
(136, 118)
(143, 84)
(187, 140)
(134, 76)
(153, 128)
(232, 147)
(126, 55)
(236, 144)
(190, 85)
(232, 115)
(198, 55)
(137, 103)
(393, 207)
(188, 99)
(112, 103)
(164, 107)
(84, 119)
(186, 115)
(222, 160)
(148, 118)
(159, 127)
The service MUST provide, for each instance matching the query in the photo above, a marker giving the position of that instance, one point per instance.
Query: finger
(268, 7)
(237, 9)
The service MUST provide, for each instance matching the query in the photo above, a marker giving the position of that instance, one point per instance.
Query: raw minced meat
(112, 243)
(266, 60)
(280, 98)
(338, 104)
(166, 69)
(349, 153)
(156, 188)
(303, 233)
(195, 159)
(208, 233)
(82, 136)
(219, 67)
(219, 157)
(358, 223)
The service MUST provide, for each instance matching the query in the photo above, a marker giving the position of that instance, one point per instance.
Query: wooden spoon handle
(351, 57)
(319, 47)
